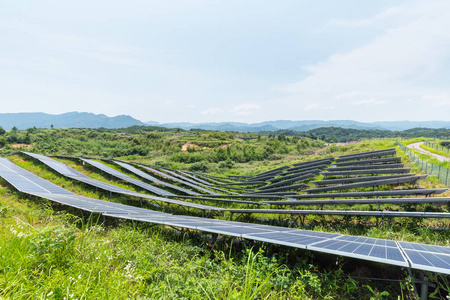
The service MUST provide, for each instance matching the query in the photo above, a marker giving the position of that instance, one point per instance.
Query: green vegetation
(342, 135)
(426, 157)
(432, 150)
(47, 253)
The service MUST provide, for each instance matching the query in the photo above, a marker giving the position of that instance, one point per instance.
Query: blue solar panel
(363, 249)
(394, 254)
(427, 248)
(179, 180)
(55, 165)
(378, 251)
(232, 229)
(127, 178)
(425, 257)
(153, 179)
(349, 247)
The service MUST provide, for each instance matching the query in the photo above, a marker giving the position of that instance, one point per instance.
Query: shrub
(201, 166)
(227, 164)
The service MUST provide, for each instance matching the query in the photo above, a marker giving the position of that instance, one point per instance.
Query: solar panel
(368, 171)
(109, 187)
(55, 165)
(365, 167)
(288, 181)
(19, 178)
(405, 192)
(427, 257)
(367, 213)
(367, 152)
(283, 188)
(195, 183)
(424, 257)
(153, 179)
(174, 179)
(126, 178)
(360, 201)
(366, 155)
(303, 169)
(196, 179)
(396, 159)
(358, 179)
(313, 162)
(282, 178)
(372, 183)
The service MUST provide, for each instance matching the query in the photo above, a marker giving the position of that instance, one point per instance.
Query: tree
(2, 131)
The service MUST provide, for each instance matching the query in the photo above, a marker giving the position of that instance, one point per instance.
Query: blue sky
(213, 61)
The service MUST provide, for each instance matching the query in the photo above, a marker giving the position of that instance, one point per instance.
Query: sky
(215, 61)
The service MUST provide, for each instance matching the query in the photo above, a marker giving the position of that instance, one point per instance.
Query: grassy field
(51, 254)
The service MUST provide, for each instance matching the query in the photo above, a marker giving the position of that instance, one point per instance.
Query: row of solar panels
(418, 256)
(75, 175)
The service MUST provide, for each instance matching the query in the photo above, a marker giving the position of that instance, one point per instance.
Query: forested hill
(341, 135)
(67, 120)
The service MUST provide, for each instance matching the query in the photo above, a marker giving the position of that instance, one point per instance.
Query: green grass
(50, 254)
(432, 150)
(55, 255)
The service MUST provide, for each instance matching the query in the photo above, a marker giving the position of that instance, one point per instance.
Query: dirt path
(416, 146)
(321, 149)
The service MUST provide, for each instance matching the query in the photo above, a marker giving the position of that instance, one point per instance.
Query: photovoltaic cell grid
(20, 179)
(360, 201)
(75, 175)
(407, 192)
(358, 179)
(55, 165)
(127, 178)
(174, 179)
(153, 179)
(68, 171)
(193, 183)
(426, 257)
(373, 183)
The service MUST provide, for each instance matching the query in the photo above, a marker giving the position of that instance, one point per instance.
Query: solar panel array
(75, 175)
(124, 177)
(153, 179)
(69, 172)
(424, 257)
(175, 179)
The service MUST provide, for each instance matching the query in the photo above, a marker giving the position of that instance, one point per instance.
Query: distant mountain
(306, 125)
(404, 125)
(269, 126)
(222, 126)
(67, 120)
(90, 120)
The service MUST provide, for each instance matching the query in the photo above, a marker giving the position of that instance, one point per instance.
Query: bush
(201, 166)
(228, 164)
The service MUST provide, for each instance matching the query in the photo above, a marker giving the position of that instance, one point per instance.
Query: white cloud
(245, 109)
(94, 49)
(212, 111)
(437, 100)
(347, 95)
(312, 106)
(371, 101)
(395, 66)
(393, 15)
(168, 103)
